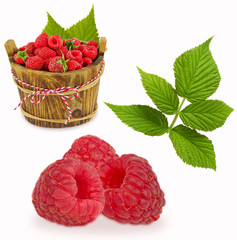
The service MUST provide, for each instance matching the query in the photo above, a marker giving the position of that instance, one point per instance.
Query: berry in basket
(42, 54)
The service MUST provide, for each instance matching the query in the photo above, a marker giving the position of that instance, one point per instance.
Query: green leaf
(161, 92)
(205, 115)
(196, 73)
(193, 148)
(70, 45)
(85, 29)
(53, 28)
(141, 118)
(22, 54)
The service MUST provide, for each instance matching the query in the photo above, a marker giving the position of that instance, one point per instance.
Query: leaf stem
(176, 115)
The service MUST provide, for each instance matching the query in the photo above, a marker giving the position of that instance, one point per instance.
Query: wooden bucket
(52, 112)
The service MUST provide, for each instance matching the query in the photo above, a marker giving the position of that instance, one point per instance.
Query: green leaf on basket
(85, 29)
(196, 74)
(141, 118)
(161, 92)
(53, 28)
(192, 147)
(205, 115)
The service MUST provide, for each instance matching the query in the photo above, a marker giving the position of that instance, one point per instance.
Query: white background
(201, 203)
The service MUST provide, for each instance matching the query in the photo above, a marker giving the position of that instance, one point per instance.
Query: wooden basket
(52, 111)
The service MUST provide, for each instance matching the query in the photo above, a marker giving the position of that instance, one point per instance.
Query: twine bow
(59, 91)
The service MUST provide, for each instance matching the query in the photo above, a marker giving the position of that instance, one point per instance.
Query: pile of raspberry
(92, 179)
(55, 54)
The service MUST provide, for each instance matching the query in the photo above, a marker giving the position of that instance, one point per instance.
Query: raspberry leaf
(85, 29)
(193, 148)
(205, 115)
(161, 92)
(53, 28)
(141, 118)
(196, 74)
(197, 78)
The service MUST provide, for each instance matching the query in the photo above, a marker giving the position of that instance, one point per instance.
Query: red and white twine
(45, 92)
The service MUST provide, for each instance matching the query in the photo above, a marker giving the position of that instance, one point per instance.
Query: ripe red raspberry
(17, 59)
(23, 48)
(35, 62)
(132, 192)
(62, 50)
(73, 44)
(46, 63)
(75, 41)
(46, 52)
(36, 51)
(91, 150)
(55, 42)
(85, 62)
(82, 47)
(73, 65)
(68, 192)
(42, 40)
(90, 52)
(30, 48)
(57, 64)
(74, 55)
(92, 43)
(21, 56)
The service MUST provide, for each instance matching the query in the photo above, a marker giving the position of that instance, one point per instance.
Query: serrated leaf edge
(214, 168)
(171, 109)
(203, 116)
(165, 130)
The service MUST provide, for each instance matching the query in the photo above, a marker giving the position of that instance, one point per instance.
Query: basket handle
(102, 46)
(10, 47)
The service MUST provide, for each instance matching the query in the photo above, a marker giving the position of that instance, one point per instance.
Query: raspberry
(46, 52)
(73, 65)
(55, 42)
(74, 55)
(23, 48)
(92, 43)
(86, 62)
(132, 192)
(91, 150)
(62, 50)
(17, 59)
(42, 40)
(73, 44)
(46, 63)
(75, 41)
(20, 57)
(30, 48)
(81, 48)
(90, 52)
(35, 62)
(57, 64)
(68, 192)
(36, 51)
